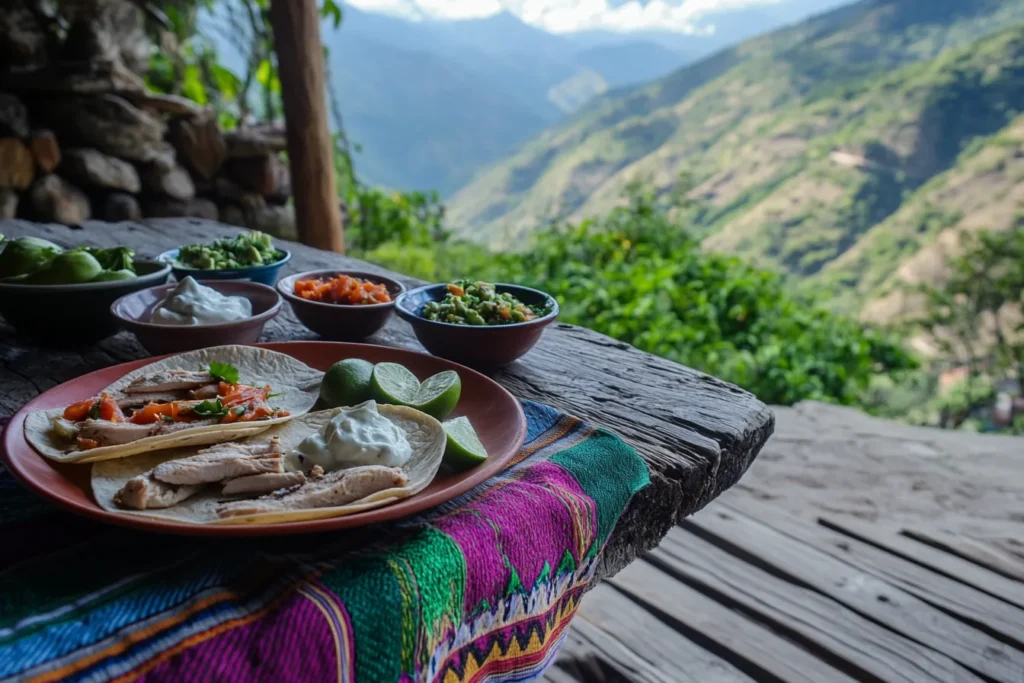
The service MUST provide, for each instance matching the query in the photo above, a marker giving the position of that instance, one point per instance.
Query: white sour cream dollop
(190, 303)
(353, 437)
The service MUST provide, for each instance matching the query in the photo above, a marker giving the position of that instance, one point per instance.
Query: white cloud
(566, 16)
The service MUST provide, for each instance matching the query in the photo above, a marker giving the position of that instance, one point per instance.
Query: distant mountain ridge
(803, 142)
(430, 103)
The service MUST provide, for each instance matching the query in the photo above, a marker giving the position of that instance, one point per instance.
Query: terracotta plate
(495, 413)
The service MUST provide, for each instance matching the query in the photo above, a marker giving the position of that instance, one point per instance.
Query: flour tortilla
(425, 435)
(298, 384)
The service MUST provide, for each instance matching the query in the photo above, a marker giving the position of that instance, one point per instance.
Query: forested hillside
(811, 147)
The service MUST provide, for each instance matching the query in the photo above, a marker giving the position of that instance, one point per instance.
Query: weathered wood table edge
(697, 435)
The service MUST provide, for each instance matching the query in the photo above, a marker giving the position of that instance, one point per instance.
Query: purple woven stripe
(291, 644)
(494, 527)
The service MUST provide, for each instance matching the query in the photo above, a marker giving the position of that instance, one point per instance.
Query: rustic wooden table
(698, 435)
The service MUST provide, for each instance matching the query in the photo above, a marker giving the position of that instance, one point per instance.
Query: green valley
(845, 151)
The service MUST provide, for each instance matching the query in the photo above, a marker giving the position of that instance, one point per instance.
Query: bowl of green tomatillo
(61, 296)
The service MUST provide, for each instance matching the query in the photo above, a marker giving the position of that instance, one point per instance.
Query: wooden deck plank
(866, 650)
(589, 655)
(750, 647)
(987, 555)
(862, 592)
(1002, 619)
(658, 644)
(949, 564)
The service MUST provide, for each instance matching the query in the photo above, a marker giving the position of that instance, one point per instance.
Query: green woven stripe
(419, 581)
(368, 590)
(618, 464)
(435, 570)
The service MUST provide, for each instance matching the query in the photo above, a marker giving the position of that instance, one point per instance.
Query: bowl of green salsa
(480, 324)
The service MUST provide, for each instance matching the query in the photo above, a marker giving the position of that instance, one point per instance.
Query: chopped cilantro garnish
(94, 412)
(210, 409)
(224, 371)
(275, 395)
(167, 418)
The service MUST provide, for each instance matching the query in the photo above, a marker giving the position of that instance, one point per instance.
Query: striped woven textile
(481, 589)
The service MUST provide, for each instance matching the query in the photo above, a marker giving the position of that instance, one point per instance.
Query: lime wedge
(393, 383)
(347, 383)
(464, 449)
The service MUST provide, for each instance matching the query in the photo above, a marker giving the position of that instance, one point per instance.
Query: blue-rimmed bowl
(266, 274)
(482, 347)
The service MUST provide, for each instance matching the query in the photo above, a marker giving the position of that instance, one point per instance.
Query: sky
(567, 16)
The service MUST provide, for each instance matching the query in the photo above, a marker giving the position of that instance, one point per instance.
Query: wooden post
(296, 25)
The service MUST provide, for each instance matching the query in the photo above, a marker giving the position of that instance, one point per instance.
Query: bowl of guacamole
(247, 256)
(480, 324)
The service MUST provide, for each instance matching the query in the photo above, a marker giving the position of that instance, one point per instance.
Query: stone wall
(82, 137)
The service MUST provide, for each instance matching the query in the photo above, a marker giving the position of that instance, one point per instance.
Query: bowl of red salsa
(341, 305)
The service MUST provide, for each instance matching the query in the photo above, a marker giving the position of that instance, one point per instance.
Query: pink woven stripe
(493, 528)
(291, 644)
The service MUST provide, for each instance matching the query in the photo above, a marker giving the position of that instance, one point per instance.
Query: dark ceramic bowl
(340, 322)
(133, 312)
(266, 274)
(73, 315)
(480, 347)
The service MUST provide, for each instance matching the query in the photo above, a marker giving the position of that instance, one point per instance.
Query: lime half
(464, 449)
(347, 383)
(393, 383)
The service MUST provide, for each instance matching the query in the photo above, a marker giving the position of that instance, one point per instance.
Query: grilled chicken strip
(169, 380)
(107, 433)
(258, 484)
(206, 392)
(140, 400)
(225, 461)
(334, 489)
(146, 493)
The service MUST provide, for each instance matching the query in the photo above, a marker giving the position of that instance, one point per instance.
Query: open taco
(191, 399)
(266, 479)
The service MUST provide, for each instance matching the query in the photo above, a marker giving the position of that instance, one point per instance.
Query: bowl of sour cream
(192, 314)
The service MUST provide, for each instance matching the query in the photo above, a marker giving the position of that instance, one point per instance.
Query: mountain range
(847, 151)
(430, 103)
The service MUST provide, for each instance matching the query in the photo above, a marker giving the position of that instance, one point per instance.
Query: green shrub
(635, 276)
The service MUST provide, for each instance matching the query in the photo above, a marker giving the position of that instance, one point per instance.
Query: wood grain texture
(697, 434)
(668, 651)
(953, 566)
(589, 655)
(861, 591)
(1002, 619)
(296, 25)
(854, 644)
(1006, 561)
(747, 645)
